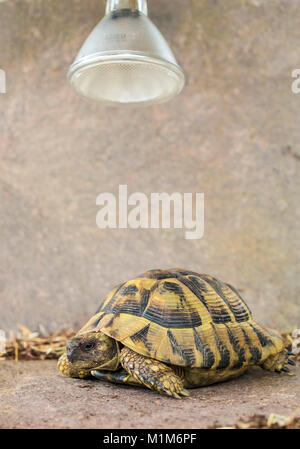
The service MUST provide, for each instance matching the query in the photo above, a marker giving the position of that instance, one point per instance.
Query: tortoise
(170, 330)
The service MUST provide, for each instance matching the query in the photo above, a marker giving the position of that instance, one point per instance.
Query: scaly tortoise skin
(170, 330)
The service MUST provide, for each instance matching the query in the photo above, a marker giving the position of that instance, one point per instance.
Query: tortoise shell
(182, 318)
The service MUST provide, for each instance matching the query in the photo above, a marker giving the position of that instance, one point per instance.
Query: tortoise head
(89, 351)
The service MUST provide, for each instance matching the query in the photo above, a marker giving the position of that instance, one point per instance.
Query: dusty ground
(34, 395)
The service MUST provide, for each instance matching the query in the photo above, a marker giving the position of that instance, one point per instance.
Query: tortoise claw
(287, 361)
(184, 393)
(176, 395)
(167, 392)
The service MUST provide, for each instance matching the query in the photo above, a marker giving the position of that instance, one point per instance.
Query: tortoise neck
(113, 363)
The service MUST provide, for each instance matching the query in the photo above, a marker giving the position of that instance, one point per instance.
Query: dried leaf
(29, 345)
(274, 421)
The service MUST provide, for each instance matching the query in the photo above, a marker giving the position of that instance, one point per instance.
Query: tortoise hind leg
(278, 362)
(153, 374)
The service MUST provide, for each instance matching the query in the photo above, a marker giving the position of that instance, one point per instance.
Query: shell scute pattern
(183, 318)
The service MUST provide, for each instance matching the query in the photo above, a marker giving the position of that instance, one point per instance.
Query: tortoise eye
(88, 346)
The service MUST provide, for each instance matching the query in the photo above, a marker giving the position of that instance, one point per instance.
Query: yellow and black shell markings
(184, 318)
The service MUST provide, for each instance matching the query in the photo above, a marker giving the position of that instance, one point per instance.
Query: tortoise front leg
(153, 374)
(116, 377)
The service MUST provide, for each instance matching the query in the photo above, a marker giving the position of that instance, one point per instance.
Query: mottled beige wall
(233, 134)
